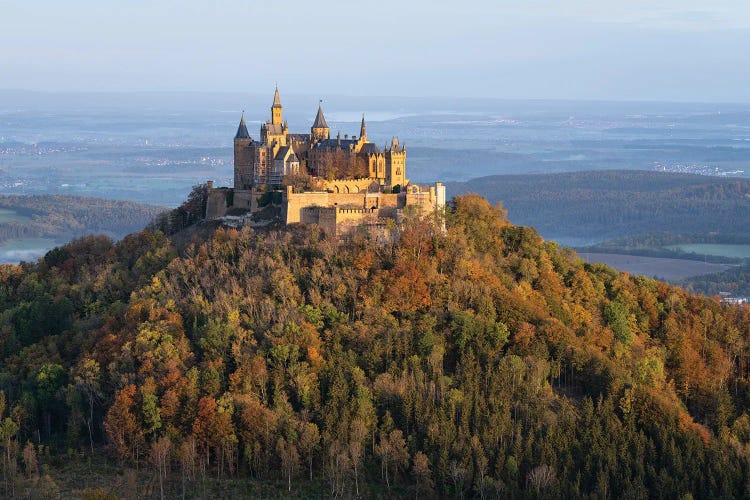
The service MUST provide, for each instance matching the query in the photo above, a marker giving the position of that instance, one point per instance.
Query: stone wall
(293, 203)
(243, 162)
(216, 205)
(336, 213)
(244, 199)
(325, 217)
(349, 186)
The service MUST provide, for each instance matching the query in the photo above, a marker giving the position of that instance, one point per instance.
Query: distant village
(729, 298)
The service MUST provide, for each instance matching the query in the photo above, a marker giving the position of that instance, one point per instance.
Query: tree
(289, 455)
(86, 381)
(542, 478)
(358, 432)
(618, 318)
(122, 425)
(187, 456)
(30, 463)
(8, 430)
(49, 381)
(160, 452)
(212, 429)
(308, 442)
(150, 411)
(392, 452)
(421, 471)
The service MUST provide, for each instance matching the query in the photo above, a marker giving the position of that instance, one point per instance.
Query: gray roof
(320, 121)
(370, 148)
(282, 152)
(274, 128)
(298, 137)
(242, 129)
(276, 100)
(335, 143)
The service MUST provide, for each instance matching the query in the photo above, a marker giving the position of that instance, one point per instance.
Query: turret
(319, 129)
(395, 164)
(242, 132)
(363, 130)
(243, 156)
(276, 109)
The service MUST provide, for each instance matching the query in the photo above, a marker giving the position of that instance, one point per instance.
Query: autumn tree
(122, 427)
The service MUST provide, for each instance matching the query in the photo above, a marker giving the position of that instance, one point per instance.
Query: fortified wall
(339, 214)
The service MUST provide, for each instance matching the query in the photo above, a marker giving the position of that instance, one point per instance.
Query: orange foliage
(121, 424)
(408, 290)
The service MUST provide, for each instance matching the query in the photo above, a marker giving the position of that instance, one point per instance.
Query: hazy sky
(572, 49)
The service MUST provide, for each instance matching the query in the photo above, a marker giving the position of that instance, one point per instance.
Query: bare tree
(542, 477)
(160, 458)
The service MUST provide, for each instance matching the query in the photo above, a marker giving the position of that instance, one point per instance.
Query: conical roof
(276, 100)
(363, 127)
(242, 129)
(320, 121)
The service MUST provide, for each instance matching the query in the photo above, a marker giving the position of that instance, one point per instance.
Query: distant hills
(582, 208)
(62, 217)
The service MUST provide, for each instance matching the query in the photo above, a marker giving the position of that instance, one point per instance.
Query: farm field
(655, 267)
(10, 215)
(722, 250)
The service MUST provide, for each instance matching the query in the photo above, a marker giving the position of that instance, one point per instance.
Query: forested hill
(480, 362)
(595, 206)
(64, 217)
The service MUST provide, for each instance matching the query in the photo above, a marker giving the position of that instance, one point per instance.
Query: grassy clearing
(655, 267)
(10, 215)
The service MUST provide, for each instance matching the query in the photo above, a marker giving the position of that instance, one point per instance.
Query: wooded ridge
(600, 205)
(481, 362)
(65, 217)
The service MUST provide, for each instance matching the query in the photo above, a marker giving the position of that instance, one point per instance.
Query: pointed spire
(276, 100)
(242, 129)
(320, 121)
(363, 128)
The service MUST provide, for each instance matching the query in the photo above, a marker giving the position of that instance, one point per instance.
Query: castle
(339, 184)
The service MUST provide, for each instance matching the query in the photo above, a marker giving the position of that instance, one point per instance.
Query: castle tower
(363, 130)
(319, 129)
(274, 133)
(243, 156)
(395, 164)
(276, 109)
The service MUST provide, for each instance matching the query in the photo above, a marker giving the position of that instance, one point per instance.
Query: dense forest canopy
(481, 361)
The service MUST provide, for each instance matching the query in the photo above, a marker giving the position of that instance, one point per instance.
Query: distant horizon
(296, 94)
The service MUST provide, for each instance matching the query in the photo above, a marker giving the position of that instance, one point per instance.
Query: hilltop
(480, 361)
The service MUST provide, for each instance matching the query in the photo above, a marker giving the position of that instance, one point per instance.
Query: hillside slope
(64, 217)
(582, 208)
(479, 362)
